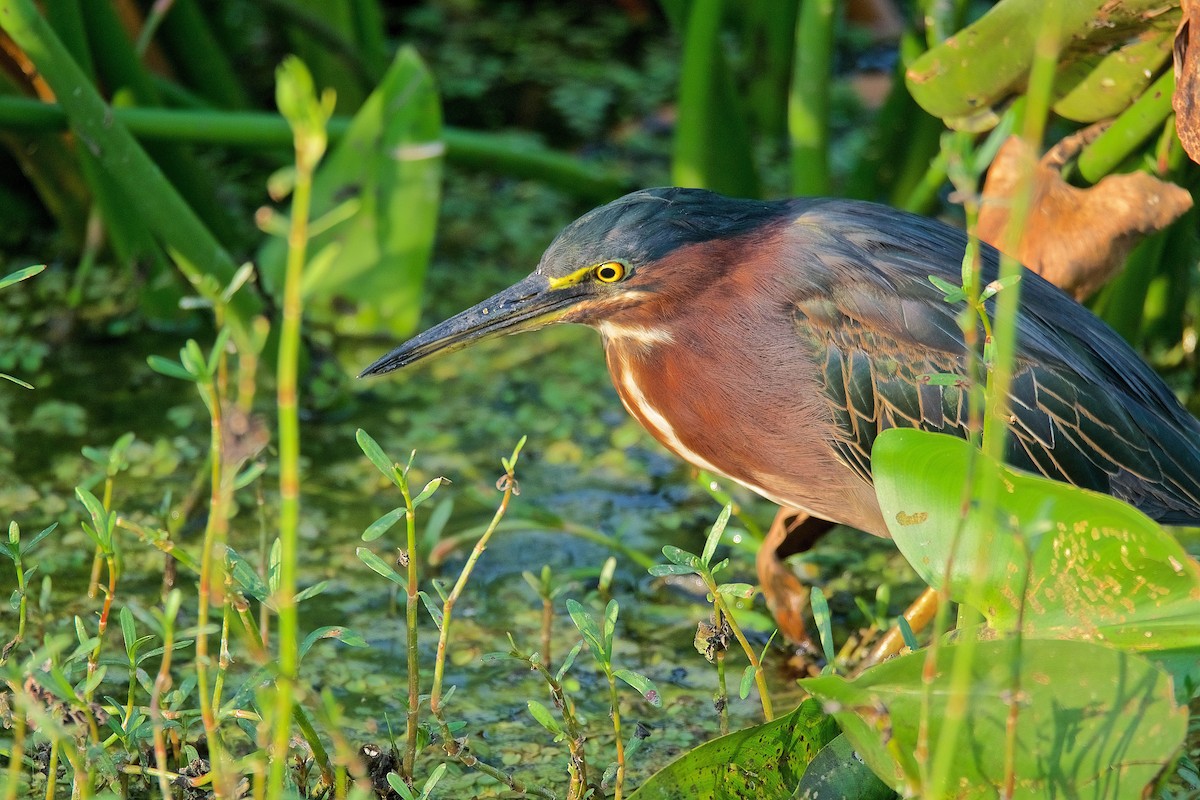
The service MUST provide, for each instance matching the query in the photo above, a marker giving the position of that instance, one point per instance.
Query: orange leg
(792, 532)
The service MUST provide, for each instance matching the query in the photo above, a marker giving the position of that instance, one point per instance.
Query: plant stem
(509, 484)
(808, 100)
(16, 754)
(518, 156)
(760, 678)
(412, 600)
(615, 703)
(207, 717)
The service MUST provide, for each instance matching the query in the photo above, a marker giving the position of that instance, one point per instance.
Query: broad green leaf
(746, 682)
(740, 590)
(762, 762)
(1093, 722)
(389, 164)
(1065, 562)
(432, 781)
(837, 773)
(610, 628)
(29, 544)
(311, 591)
(568, 661)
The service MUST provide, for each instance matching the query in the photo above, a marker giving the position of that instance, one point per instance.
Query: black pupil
(608, 273)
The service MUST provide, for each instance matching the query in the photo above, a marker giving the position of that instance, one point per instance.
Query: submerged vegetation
(236, 572)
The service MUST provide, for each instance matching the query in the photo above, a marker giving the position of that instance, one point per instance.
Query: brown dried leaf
(1187, 81)
(1075, 238)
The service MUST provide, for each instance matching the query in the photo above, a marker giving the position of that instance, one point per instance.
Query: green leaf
(1093, 722)
(764, 761)
(742, 590)
(28, 545)
(998, 285)
(400, 787)
(246, 576)
(590, 631)
(642, 684)
(375, 454)
(714, 535)
(435, 611)
(428, 491)
(380, 566)
(20, 275)
(681, 557)
(568, 661)
(1062, 561)
(544, 718)
(610, 628)
(386, 169)
(17, 381)
(311, 591)
(824, 620)
(382, 525)
(746, 682)
(432, 780)
(128, 632)
(837, 773)
(172, 369)
(343, 635)
(662, 570)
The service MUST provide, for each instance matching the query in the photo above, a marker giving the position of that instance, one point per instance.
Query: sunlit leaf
(1094, 722)
(1060, 560)
(764, 761)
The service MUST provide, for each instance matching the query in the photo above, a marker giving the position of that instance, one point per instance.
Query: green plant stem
(760, 679)
(289, 468)
(615, 703)
(439, 665)
(102, 626)
(16, 754)
(1127, 132)
(162, 683)
(575, 735)
(52, 768)
(411, 607)
(203, 686)
(504, 153)
(808, 100)
(722, 698)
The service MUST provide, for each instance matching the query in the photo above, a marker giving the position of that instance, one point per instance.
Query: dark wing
(1084, 408)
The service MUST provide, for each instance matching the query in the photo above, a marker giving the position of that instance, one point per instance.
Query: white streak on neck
(634, 333)
(639, 406)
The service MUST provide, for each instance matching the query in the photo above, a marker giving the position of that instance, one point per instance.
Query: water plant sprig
(685, 563)
(599, 640)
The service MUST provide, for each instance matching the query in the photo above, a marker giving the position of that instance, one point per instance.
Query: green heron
(772, 342)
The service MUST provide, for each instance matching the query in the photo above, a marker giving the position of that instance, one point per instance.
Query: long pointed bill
(525, 306)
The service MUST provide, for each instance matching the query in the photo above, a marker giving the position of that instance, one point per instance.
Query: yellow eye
(610, 272)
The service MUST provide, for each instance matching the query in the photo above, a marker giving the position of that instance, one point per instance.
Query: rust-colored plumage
(772, 342)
